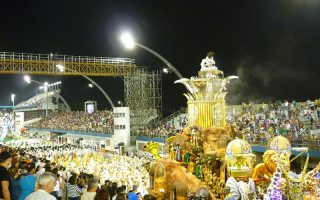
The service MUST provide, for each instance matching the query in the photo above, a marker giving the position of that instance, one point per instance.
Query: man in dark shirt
(5, 163)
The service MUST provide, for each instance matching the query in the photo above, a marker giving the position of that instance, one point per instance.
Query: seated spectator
(46, 183)
(99, 121)
(92, 189)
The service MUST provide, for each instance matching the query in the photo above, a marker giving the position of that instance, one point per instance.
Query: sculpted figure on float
(208, 62)
(263, 172)
(166, 173)
(283, 148)
(274, 189)
(312, 181)
(214, 140)
(240, 161)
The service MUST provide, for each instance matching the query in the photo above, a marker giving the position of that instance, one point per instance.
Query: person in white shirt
(46, 183)
(90, 194)
(208, 62)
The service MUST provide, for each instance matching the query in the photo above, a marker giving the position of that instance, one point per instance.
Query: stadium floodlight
(12, 99)
(127, 40)
(165, 70)
(27, 79)
(129, 43)
(60, 67)
(43, 86)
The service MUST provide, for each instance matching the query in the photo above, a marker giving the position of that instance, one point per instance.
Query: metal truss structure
(143, 94)
(143, 90)
(48, 64)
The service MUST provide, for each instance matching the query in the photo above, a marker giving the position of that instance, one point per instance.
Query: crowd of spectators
(29, 115)
(159, 131)
(292, 120)
(99, 121)
(296, 122)
(38, 172)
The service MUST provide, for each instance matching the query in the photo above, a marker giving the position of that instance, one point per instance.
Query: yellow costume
(171, 154)
(191, 166)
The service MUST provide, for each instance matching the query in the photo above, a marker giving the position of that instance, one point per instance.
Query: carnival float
(211, 159)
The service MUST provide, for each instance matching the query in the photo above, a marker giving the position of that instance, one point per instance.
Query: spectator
(102, 194)
(46, 183)
(5, 163)
(92, 189)
(15, 178)
(28, 181)
(74, 191)
(132, 194)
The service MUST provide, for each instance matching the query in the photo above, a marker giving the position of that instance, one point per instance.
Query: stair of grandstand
(171, 117)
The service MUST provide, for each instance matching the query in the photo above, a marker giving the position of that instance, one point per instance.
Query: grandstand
(39, 102)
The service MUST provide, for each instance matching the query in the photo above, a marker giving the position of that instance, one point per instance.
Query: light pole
(120, 103)
(46, 91)
(129, 43)
(14, 123)
(12, 99)
(62, 68)
(43, 86)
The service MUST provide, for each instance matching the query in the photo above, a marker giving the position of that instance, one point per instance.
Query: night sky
(272, 45)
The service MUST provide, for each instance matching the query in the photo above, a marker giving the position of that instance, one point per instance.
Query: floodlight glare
(12, 97)
(60, 67)
(90, 85)
(27, 78)
(165, 70)
(127, 40)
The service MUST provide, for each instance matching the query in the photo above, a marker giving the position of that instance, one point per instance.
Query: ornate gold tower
(206, 97)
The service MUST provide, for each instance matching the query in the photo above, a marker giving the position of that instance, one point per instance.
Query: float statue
(206, 93)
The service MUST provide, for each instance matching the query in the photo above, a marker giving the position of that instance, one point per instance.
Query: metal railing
(55, 64)
(64, 58)
(312, 144)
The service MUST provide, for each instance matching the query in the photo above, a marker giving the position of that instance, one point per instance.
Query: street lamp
(120, 103)
(12, 99)
(129, 43)
(90, 85)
